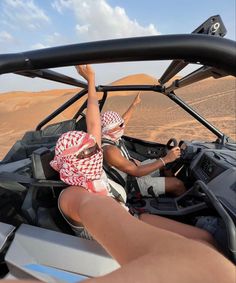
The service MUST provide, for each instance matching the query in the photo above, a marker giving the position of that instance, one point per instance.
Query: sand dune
(156, 118)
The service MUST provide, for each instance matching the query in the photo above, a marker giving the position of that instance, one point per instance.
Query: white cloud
(7, 40)
(56, 39)
(59, 5)
(23, 13)
(97, 20)
(6, 37)
(39, 46)
(82, 29)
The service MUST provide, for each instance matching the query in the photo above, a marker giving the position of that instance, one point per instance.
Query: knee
(69, 202)
(64, 201)
(179, 187)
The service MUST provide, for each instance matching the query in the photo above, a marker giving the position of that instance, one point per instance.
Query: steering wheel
(175, 165)
(171, 143)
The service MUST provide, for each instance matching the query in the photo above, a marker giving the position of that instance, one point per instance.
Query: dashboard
(215, 165)
(209, 166)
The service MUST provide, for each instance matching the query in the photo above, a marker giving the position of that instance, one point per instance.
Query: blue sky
(33, 24)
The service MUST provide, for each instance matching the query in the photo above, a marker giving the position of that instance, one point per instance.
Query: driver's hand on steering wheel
(172, 155)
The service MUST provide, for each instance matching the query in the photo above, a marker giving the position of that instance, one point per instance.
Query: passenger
(145, 253)
(78, 155)
(149, 180)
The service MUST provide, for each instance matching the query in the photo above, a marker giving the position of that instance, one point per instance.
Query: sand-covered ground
(156, 118)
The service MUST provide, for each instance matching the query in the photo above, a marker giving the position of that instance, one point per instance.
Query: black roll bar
(207, 50)
(197, 75)
(173, 69)
(198, 117)
(52, 76)
(61, 109)
(156, 88)
(103, 89)
(213, 26)
(100, 102)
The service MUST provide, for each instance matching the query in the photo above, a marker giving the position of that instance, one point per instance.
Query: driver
(149, 180)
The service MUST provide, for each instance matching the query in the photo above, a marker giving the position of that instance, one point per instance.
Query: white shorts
(152, 180)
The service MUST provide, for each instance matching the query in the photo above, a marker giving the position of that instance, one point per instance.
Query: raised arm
(128, 114)
(93, 114)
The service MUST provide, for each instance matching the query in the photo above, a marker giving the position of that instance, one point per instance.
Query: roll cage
(205, 46)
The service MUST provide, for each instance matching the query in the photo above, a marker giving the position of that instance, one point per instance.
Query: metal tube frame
(155, 88)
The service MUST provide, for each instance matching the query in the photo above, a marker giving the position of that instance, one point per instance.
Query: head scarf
(84, 172)
(109, 121)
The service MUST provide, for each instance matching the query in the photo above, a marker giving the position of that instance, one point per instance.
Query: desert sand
(156, 118)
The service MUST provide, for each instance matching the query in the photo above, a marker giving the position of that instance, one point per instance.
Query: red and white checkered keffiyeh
(78, 172)
(111, 120)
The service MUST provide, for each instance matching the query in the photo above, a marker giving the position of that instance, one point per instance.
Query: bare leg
(146, 253)
(174, 186)
(179, 228)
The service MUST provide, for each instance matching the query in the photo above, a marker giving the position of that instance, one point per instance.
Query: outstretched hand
(137, 99)
(86, 71)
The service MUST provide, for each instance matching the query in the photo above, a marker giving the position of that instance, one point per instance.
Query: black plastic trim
(230, 227)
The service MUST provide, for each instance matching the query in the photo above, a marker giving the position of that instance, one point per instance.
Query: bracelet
(162, 161)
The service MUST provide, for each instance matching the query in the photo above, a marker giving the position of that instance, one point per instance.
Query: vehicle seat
(41, 164)
(131, 182)
(42, 171)
(113, 174)
(42, 194)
